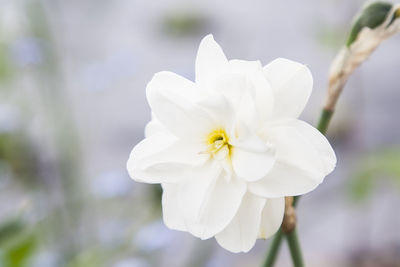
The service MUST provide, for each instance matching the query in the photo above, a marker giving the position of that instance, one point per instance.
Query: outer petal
(153, 127)
(292, 84)
(209, 61)
(208, 201)
(272, 216)
(241, 233)
(174, 102)
(162, 158)
(304, 158)
(172, 215)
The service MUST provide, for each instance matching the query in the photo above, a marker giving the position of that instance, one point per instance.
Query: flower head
(228, 147)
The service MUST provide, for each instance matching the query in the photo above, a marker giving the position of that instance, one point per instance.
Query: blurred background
(72, 106)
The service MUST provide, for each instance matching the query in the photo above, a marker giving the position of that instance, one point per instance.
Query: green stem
(322, 126)
(273, 249)
(294, 247)
(324, 120)
(295, 200)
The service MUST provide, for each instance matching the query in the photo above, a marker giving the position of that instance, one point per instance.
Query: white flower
(229, 147)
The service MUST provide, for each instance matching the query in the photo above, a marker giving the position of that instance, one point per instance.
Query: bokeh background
(72, 106)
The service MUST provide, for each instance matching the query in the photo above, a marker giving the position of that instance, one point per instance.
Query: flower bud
(376, 23)
(371, 16)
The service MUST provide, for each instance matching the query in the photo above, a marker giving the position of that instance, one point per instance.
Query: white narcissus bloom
(229, 147)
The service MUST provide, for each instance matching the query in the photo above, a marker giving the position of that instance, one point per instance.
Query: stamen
(218, 144)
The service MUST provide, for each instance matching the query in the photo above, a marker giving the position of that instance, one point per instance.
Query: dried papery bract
(376, 23)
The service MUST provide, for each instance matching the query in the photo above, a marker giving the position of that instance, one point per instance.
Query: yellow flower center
(218, 143)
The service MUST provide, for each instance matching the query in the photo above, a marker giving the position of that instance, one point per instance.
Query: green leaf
(361, 186)
(372, 16)
(377, 165)
(182, 24)
(19, 254)
(17, 243)
(6, 64)
(10, 230)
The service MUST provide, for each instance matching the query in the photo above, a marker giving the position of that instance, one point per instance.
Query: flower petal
(174, 101)
(292, 84)
(272, 216)
(252, 158)
(170, 207)
(240, 93)
(304, 158)
(209, 61)
(220, 110)
(153, 127)
(232, 86)
(241, 233)
(256, 85)
(209, 201)
(162, 158)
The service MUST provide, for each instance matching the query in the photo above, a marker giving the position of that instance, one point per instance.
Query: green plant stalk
(273, 249)
(324, 120)
(294, 246)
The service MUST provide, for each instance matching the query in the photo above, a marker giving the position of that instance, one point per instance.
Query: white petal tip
(209, 36)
